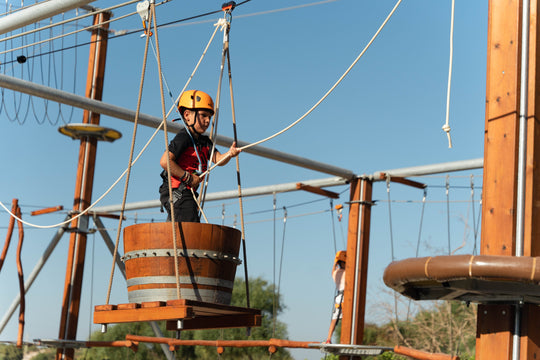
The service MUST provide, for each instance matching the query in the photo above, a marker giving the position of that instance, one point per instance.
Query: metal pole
(522, 163)
(154, 122)
(432, 169)
(34, 13)
(356, 265)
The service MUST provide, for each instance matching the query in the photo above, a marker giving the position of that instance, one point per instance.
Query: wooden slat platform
(194, 314)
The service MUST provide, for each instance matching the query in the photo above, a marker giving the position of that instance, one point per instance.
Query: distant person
(338, 274)
(189, 153)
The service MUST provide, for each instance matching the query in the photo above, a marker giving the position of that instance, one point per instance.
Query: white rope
(254, 14)
(333, 87)
(446, 126)
(125, 171)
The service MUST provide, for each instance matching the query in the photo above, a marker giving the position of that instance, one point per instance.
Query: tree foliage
(447, 327)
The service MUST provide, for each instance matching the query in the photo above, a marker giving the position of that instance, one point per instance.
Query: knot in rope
(222, 24)
(447, 129)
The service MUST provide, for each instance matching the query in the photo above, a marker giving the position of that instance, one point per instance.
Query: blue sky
(386, 114)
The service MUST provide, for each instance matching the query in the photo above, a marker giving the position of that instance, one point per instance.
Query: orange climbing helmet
(341, 256)
(196, 99)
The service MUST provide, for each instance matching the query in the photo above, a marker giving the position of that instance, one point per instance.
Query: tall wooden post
(495, 323)
(354, 302)
(83, 189)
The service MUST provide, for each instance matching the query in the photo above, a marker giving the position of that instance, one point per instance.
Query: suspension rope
(475, 221)
(333, 224)
(418, 241)
(448, 211)
(223, 25)
(391, 242)
(332, 88)
(240, 198)
(124, 197)
(274, 311)
(280, 265)
(174, 226)
(446, 126)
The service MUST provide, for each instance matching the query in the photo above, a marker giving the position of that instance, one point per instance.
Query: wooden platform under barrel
(207, 257)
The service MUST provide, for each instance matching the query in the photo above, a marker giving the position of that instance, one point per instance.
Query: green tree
(261, 297)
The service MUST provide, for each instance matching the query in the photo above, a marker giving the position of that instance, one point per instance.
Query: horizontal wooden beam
(317, 190)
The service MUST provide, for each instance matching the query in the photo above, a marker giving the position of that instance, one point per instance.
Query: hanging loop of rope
(446, 126)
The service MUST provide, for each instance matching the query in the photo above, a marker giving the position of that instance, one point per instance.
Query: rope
(333, 87)
(124, 197)
(448, 211)
(475, 221)
(173, 222)
(158, 129)
(446, 126)
(274, 311)
(240, 203)
(333, 224)
(418, 241)
(391, 242)
(281, 262)
(223, 25)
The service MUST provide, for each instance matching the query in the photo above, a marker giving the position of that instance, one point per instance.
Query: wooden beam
(404, 181)
(316, 190)
(495, 323)
(354, 303)
(83, 189)
(47, 210)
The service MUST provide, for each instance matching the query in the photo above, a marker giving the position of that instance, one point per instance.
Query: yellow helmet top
(341, 256)
(196, 99)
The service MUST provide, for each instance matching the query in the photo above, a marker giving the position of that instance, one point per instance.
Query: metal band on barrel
(195, 253)
(200, 280)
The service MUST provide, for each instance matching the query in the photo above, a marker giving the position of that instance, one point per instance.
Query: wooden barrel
(207, 261)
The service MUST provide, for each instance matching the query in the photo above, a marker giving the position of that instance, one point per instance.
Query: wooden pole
(495, 323)
(83, 189)
(356, 268)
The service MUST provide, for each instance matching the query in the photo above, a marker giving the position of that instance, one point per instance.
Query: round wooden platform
(481, 279)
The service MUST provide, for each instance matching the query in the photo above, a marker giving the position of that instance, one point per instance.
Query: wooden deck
(193, 314)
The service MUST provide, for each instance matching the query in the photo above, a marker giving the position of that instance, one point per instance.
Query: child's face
(203, 120)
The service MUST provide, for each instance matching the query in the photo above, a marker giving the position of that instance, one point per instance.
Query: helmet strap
(192, 125)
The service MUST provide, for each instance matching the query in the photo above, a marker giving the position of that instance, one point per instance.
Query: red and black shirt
(182, 146)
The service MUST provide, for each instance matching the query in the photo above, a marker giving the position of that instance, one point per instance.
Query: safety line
(333, 87)
(132, 150)
(446, 126)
